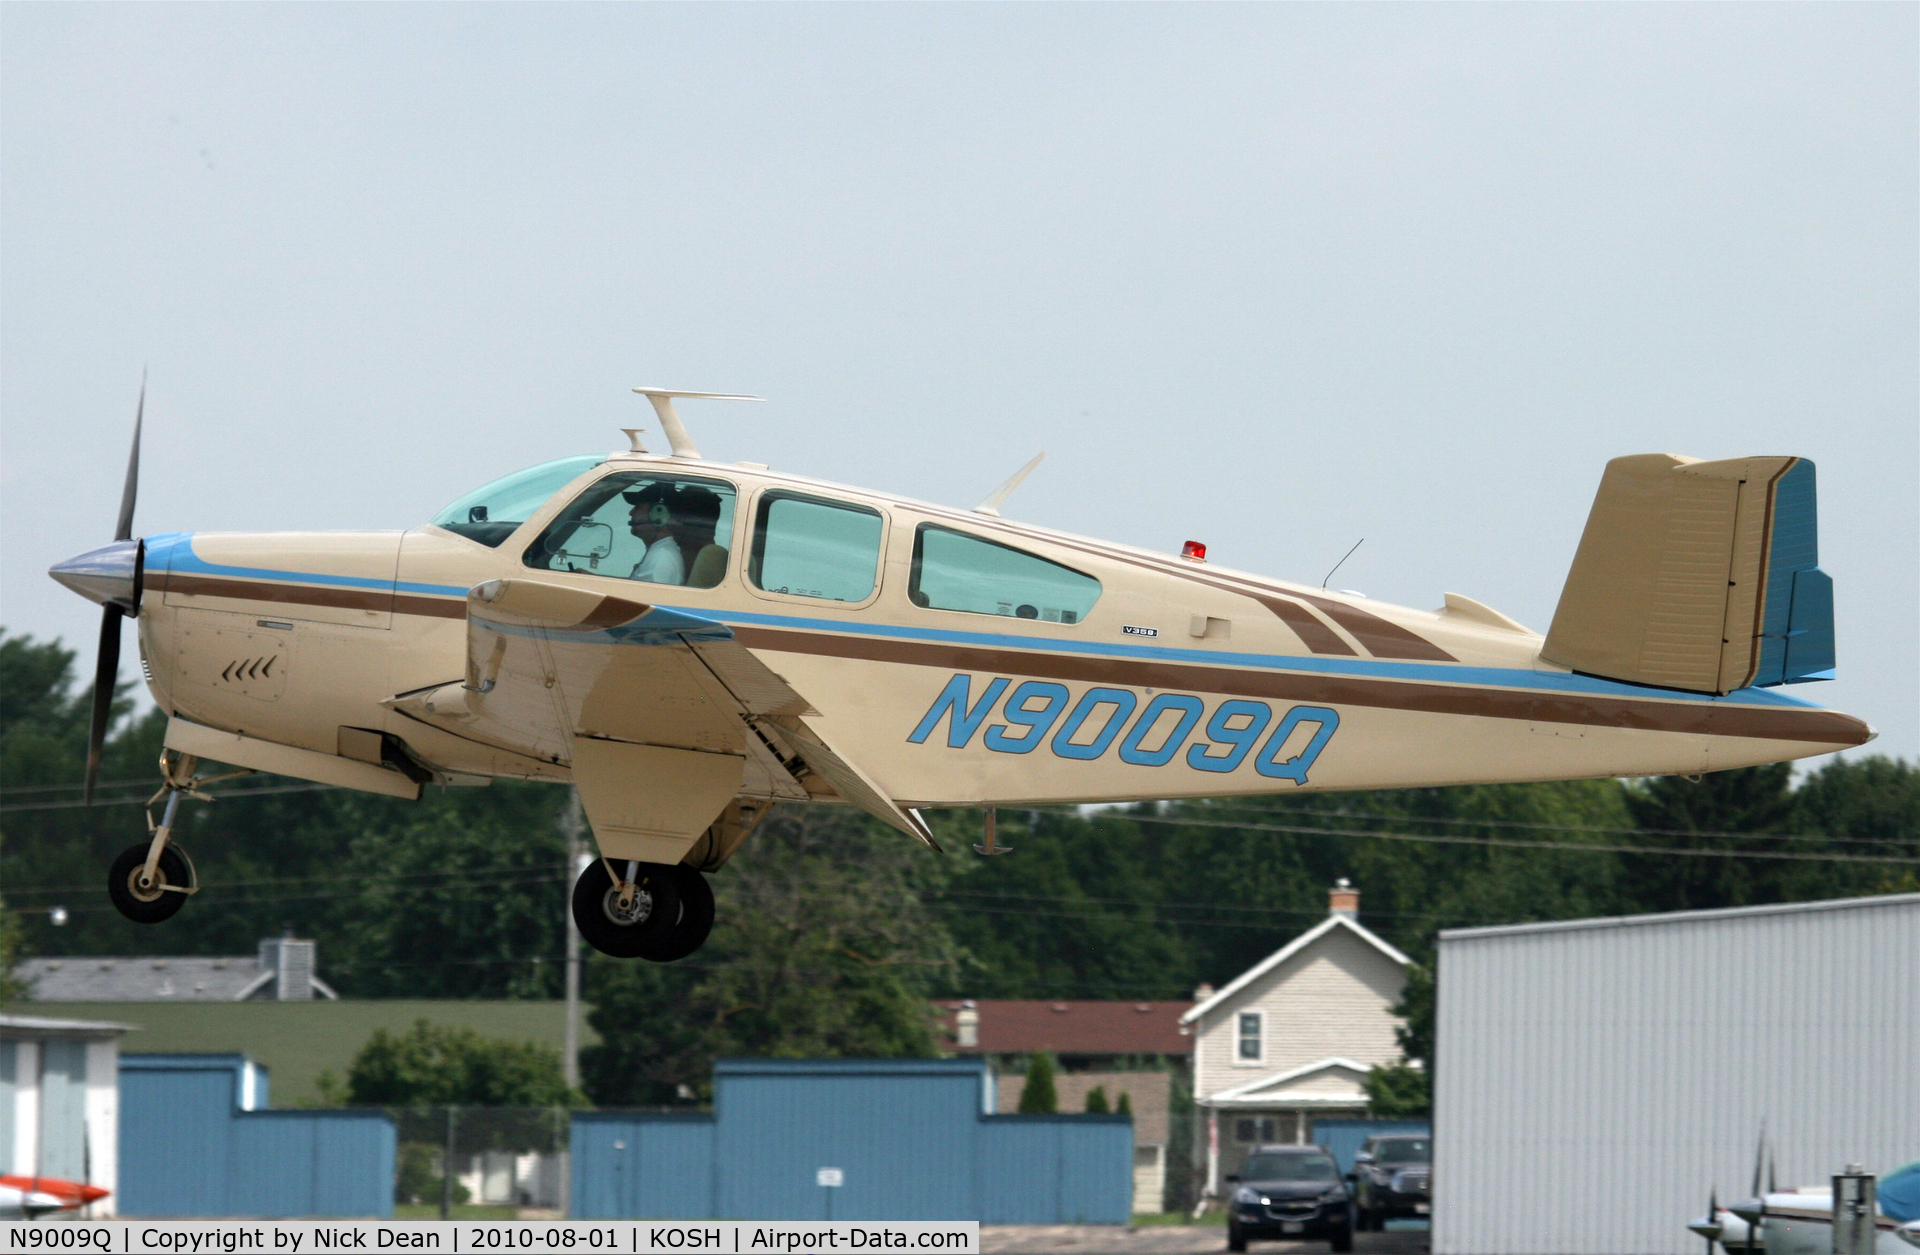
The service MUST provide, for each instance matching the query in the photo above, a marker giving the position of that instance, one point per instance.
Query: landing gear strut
(643, 910)
(150, 882)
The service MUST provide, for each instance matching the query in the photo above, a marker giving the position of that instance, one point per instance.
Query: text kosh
(1146, 732)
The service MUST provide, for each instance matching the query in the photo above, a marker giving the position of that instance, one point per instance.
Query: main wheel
(690, 931)
(625, 934)
(148, 904)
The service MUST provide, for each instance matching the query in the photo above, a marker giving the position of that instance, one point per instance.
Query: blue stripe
(1441, 673)
(176, 548)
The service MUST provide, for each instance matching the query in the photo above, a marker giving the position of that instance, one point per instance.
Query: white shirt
(662, 564)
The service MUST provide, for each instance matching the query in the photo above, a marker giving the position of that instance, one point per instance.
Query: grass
(1215, 1217)
(461, 1211)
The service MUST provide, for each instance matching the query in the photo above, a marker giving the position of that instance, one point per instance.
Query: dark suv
(1392, 1176)
(1289, 1192)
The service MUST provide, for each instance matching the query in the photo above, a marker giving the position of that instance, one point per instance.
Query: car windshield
(1404, 1150)
(1290, 1168)
(492, 513)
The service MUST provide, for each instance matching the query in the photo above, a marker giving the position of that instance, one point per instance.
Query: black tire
(689, 933)
(1362, 1219)
(596, 913)
(154, 904)
(1342, 1241)
(1236, 1240)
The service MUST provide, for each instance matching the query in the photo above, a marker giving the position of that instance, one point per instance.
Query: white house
(1293, 1038)
(60, 1101)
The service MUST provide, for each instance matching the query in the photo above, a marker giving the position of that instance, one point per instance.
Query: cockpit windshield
(493, 513)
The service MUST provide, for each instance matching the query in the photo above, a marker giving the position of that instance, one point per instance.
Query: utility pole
(573, 823)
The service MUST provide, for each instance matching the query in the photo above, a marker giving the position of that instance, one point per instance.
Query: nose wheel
(634, 910)
(150, 882)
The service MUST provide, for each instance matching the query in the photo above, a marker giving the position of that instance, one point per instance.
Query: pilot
(652, 520)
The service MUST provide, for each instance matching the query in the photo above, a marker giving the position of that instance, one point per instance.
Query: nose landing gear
(636, 910)
(150, 882)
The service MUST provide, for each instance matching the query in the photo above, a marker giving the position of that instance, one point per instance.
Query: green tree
(1124, 1106)
(824, 948)
(1398, 1091)
(1097, 1104)
(1038, 1096)
(11, 986)
(440, 1065)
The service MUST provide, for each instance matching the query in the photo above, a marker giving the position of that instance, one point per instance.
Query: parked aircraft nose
(109, 575)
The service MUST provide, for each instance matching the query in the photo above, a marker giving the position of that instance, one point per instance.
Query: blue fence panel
(187, 1150)
(176, 1132)
(1096, 1170)
(653, 1165)
(1055, 1170)
(1343, 1138)
(898, 1133)
(1019, 1170)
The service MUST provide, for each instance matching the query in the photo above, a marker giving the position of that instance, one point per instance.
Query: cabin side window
(956, 571)
(810, 547)
(640, 525)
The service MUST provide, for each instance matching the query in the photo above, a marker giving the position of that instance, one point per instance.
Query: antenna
(994, 499)
(670, 423)
(1343, 560)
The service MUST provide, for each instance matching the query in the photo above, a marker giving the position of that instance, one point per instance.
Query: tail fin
(1701, 576)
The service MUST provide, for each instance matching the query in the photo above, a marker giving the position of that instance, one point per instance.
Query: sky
(1277, 278)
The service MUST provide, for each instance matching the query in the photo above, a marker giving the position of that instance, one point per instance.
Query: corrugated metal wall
(186, 1149)
(656, 1165)
(910, 1139)
(1593, 1083)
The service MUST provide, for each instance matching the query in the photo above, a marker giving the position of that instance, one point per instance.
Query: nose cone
(108, 576)
(1749, 1210)
(1706, 1226)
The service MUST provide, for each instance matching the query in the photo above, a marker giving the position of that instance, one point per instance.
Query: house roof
(1678, 917)
(19, 1026)
(1271, 1090)
(1287, 951)
(1020, 1026)
(193, 978)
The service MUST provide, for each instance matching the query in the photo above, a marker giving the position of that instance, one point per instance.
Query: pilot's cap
(657, 499)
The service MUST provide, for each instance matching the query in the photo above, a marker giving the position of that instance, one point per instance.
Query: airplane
(30, 1197)
(1800, 1221)
(690, 643)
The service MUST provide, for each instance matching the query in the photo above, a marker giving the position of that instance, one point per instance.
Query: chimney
(967, 1026)
(1202, 992)
(291, 963)
(1344, 899)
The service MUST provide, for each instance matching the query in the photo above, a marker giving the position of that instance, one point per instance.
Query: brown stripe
(309, 595)
(611, 612)
(1775, 723)
(1383, 638)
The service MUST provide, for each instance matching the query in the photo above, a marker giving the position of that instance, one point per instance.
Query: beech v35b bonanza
(692, 642)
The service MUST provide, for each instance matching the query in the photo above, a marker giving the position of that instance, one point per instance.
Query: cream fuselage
(1183, 680)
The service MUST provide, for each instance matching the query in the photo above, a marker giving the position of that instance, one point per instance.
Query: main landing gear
(643, 910)
(151, 881)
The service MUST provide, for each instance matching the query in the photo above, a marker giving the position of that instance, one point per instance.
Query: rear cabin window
(955, 571)
(810, 547)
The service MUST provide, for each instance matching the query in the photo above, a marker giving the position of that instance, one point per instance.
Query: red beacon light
(1194, 551)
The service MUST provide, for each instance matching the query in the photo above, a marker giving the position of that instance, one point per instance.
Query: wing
(664, 716)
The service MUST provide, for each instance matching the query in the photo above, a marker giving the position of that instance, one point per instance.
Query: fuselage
(1153, 676)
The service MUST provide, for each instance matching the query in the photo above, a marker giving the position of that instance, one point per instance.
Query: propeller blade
(1773, 1181)
(1759, 1158)
(106, 675)
(123, 530)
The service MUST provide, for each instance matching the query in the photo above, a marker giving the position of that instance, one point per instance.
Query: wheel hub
(145, 890)
(638, 908)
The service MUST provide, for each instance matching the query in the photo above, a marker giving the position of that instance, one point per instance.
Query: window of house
(1254, 1129)
(641, 525)
(955, 571)
(810, 547)
(1248, 1050)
